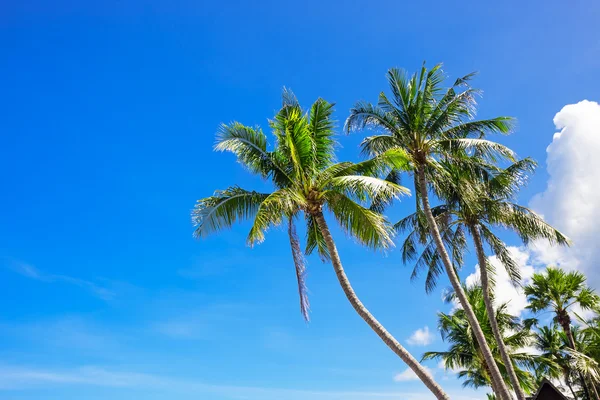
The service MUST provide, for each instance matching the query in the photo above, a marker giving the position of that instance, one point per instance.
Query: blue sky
(107, 116)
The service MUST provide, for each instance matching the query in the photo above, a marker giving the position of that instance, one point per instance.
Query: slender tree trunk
(593, 388)
(568, 382)
(502, 390)
(485, 286)
(358, 306)
(565, 320)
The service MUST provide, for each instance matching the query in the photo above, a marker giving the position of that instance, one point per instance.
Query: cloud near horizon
(25, 378)
(29, 271)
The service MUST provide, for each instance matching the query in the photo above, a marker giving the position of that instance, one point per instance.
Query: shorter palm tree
(558, 291)
(465, 354)
(552, 361)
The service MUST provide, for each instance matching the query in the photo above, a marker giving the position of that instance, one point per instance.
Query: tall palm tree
(558, 291)
(465, 354)
(433, 124)
(307, 182)
(488, 202)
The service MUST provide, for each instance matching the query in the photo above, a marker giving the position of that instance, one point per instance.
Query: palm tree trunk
(358, 306)
(568, 382)
(501, 389)
(485, 286)
(565, 320)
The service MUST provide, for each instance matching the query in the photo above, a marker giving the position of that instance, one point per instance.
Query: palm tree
(432, 124)
(486, 203)
(552, 361)
(466, 356)
(307, 182)
(559, 291)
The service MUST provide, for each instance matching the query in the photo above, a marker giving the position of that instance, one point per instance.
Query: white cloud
(32, 272)
(505, 292)
(570, 201)
(409, 375)
(421, 337)
(25, 378)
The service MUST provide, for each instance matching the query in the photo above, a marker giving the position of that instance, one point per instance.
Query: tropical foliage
(465, 188)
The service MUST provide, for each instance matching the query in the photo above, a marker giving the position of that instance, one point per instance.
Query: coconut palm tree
(308, 182)
(465, 354)
(478, 198)
(433, 124)
(552, 362)
(558, 291)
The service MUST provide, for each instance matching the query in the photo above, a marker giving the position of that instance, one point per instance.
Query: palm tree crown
(305, 178)
(560, 290)
(433, 125)
(464, 353)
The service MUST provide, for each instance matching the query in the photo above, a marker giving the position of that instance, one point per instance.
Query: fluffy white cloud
(570, 201)
(505, 292)
(421, 337)
(409, 375)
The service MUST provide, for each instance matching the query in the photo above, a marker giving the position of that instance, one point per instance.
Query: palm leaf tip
(223, 209)
(300, 266)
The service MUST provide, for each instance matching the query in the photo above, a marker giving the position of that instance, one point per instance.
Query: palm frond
(300, 266)
(277, 205)
(368, 227)
(367, 187)
(224, 208)
(315, 239)
(321, 127)
(484, 148)
(250, 147)
(502, 125)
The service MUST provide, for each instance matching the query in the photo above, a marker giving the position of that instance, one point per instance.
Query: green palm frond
(300, 266)
(277, 205)
(250, 147)
(501, 251)
(315, 239)
(367, 187)
(321, 127)
(525, 222)
(502, 125)
(368, 227)
(224, 208)
(484, 148)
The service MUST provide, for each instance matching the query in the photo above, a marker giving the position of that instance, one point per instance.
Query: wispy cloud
(421, 337)
(32, 272)
(409, 375)
(24, 378)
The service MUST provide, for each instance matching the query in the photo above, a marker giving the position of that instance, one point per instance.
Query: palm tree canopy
(557, 289)
(475, 194)
(464, 353)
(426, 119)
(306, 179)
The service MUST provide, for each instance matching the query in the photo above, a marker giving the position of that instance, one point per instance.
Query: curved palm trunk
(485, 286)
(565, 322)
(568, 382)
(387, 338)
(497, 382)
